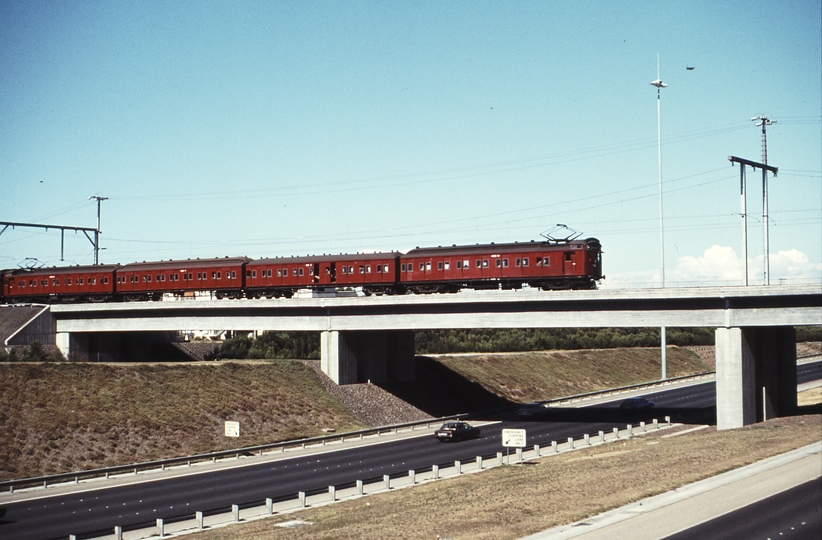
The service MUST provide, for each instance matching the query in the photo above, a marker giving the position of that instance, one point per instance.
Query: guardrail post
(45, 484)
(656, 423)
(76, 479)
(161, 527)
(601, 436)
(630, 428)
(616, 433)
(642, 426)
(458, 467)
(72, 537)
(668, 420)
(412, 475)
(387, 481)
(332, 490)
(199, 516)
(570, 443)
(554, 446)
(359, 488)
(479, 462)
(536, 450)
(118, 532)
(301, 498)
(499, 458)
(235, 509)
(269, 506)
(519, 454)
(436, 470)
(587, 440)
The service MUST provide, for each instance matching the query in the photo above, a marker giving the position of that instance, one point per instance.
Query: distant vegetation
(35, 352)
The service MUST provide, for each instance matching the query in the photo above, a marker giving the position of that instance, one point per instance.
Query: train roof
(500, 248)
(342, 257)
(186, 264)
(53, 270)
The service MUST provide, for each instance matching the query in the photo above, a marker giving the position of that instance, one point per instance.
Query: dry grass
(536, 376)
(511, 502)
(68, 417)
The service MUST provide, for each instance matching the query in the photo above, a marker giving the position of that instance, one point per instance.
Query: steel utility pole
(742, 189)
(97, 229)
(764, 122)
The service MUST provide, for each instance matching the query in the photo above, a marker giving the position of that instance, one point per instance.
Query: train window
(22, 283)
(568, 256)
(459, 265)
(505, 263)
(525, 261)
(465, 264)
(350, 269)
(422, 267)
(67, 281)
(448, 265)
(518, 262)
(148, 278)
(301, 271)
(439, 265)
(362, 269)
(55, 282)
(379, 269)
(499, 263)
(279, 272)
(385, 268)
(344, 270)
(367, 268)
(294, 272)
(79, 281)
(479, 263)
(485, 263)
(428, 266)
(402, 267)
(44, 282)
(268, 273)
(144, 278)
(233, 274)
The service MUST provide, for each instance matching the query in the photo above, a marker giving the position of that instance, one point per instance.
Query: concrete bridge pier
(373, 355)
(755, 374)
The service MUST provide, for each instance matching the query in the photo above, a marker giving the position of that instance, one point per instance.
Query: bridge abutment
(359, 356)
(755, 374)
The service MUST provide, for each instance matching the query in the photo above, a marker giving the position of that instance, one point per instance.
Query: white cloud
(721, 265)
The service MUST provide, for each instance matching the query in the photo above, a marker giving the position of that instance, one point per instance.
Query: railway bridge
(371, 338)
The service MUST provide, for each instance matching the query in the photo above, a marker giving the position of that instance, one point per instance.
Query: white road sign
(232, 429)
(513, 438)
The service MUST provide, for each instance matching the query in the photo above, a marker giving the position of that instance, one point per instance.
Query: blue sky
(292, 128)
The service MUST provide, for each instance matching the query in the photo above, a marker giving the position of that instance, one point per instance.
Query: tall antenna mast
(764, 121)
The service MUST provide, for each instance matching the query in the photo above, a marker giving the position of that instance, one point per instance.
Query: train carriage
(60, 284)
(150, 280)
(374, 272)
(574, 264)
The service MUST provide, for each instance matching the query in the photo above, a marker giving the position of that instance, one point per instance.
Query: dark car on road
(636, 404)
(456, 431)
(533, 411)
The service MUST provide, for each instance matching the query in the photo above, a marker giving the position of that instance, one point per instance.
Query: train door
(315, 272)
(331, 272)
(568, 263)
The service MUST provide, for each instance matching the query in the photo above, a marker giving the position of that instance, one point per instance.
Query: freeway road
(794, 514)
(98, 510)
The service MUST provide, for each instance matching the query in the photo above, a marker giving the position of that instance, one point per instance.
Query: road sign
(513, 438)
(232, 429)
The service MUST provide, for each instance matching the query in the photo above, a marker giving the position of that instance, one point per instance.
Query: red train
(575, 264)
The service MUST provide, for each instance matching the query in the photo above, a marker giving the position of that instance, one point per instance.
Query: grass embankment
(515, 501)
(68, 416)
(536, 376)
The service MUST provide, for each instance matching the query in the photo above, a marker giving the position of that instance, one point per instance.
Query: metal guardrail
(629, 388)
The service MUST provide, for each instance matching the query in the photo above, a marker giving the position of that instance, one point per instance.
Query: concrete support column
(63, 342)
(755, 374)
(360, 356)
